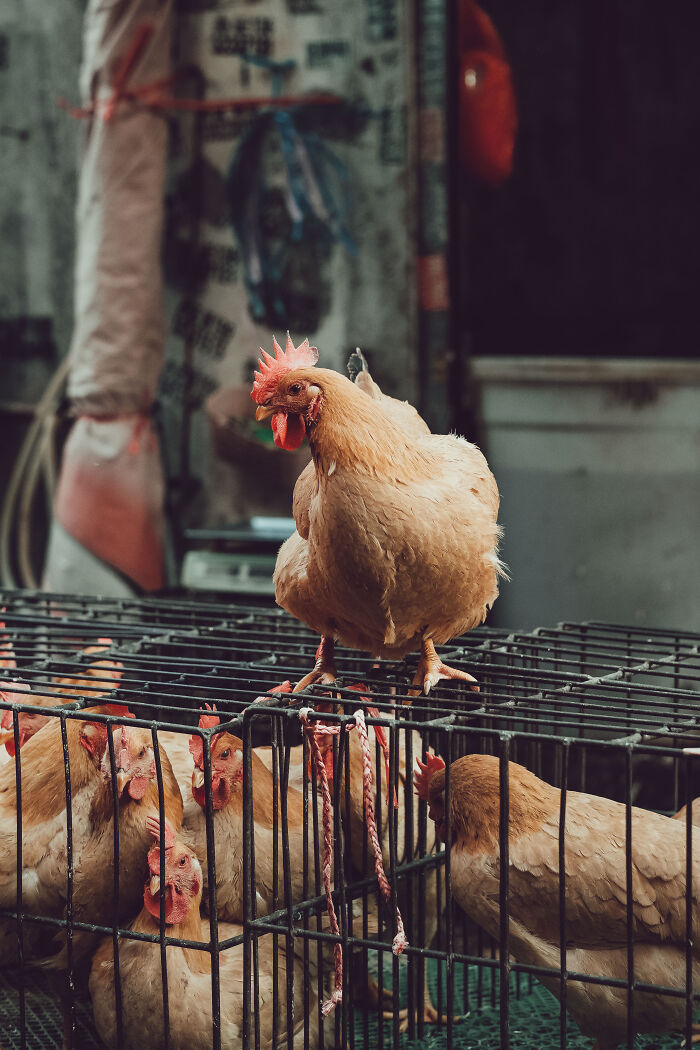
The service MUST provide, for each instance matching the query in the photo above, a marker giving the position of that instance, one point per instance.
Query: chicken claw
(432, 670)
(324, 672)
(430, 1014)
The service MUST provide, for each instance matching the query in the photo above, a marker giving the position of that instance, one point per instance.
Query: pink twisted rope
(380, 734)
(400, 940)
(314, 731)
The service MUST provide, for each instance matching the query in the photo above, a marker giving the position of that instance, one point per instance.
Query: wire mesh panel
(185, 850)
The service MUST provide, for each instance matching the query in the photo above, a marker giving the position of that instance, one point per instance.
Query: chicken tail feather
(356, 364)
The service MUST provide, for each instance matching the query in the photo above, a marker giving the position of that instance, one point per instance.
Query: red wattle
(220, 793)
(176, 905)
(288, 430)
(137, 788)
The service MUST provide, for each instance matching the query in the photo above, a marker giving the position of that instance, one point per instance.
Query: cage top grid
(582, 681)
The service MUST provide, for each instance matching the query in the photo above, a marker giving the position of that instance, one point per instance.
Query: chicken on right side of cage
(596, 893)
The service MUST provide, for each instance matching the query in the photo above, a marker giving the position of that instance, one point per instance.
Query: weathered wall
(39, 61)
(359, 52)
(597, 465)
(338, 299)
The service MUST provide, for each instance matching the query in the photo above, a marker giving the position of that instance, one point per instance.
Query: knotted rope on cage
(325, 707)
(314, 730)
(400, 941)
(380, 734)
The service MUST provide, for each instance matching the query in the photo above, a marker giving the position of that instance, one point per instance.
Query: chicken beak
(263, 412)
(198, 778)
(155, 885)
(6, 735)
(122, 780)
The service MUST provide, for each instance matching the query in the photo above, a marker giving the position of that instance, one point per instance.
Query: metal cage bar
(579, 704)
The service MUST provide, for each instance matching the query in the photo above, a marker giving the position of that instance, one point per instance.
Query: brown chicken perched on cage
(396, 547)
(596, 889)
(189, 971)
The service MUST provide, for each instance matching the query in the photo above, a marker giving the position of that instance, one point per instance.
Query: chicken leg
(324, 672)
(431, 670)
(430, 1014)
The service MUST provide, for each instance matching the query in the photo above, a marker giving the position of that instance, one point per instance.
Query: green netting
(534, 1016)
(43, 1021)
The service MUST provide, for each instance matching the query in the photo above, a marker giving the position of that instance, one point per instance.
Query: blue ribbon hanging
(317, 187)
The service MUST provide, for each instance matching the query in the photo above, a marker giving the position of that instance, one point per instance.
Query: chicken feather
(596, 889)
(397, 534)
(189, 976)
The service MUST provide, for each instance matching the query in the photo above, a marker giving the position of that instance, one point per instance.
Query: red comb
(6, 720)
(283, 687)
(7, 655)
(196, 743)
(153, 825)
(207, 721)
(272, 368)
(119, 709)
(123, 753)
(421, 781)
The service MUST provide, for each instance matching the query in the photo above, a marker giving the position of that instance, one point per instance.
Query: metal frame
(567, 702)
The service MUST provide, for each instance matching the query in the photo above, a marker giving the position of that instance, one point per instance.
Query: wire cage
(346, 922)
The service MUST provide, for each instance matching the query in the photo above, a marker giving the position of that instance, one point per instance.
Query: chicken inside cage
(193, 855)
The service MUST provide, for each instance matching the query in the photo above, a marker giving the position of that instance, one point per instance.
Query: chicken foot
(432, 670)
(324, 672)
(430, 1014)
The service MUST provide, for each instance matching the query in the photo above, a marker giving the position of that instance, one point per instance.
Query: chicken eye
(295, 388)
(183, 861)
(142, 752)
(226, 753)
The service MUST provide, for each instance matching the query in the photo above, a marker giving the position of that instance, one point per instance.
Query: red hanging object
(488, 116)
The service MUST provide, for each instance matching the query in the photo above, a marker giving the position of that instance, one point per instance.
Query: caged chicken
(99, 678)
(596, 889)
(137, 798)
(43, 821)
(189, 971)
(396, 546)
(227, 802)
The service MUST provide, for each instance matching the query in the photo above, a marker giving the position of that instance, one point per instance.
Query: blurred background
(496, 202)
